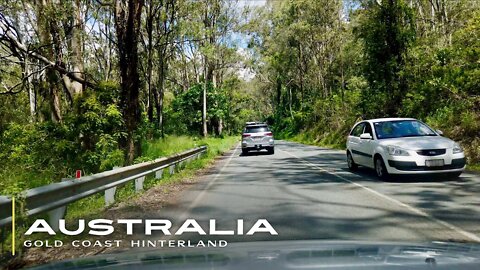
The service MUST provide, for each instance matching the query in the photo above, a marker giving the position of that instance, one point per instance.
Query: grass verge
(152, 150)
(331, 141)
(93, 206)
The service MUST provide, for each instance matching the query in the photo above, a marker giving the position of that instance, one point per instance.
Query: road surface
(307, 192)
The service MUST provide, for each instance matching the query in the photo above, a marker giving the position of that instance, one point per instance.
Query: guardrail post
(56, 214)
(172, 169)
(139, 183)
(158, 174)
(110, 196)
(110, 193)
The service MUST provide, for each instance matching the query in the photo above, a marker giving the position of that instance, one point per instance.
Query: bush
(37, 154)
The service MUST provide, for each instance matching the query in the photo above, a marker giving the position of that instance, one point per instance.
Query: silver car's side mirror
(366, 136)
(439, 132)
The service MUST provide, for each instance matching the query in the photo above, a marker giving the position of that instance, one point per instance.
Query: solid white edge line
(381, 195)
(204, 191)
(200, 196)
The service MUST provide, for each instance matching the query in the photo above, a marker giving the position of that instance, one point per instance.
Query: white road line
(381, 195)
(196, 201)
(200, 196)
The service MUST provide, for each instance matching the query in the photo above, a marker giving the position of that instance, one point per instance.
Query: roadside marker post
(78, 174)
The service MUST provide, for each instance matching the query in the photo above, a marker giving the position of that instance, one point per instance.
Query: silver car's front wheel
(380, 168)
(351, 163)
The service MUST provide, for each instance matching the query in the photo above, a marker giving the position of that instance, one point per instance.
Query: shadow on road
(313, 198)
(411, 178)
(256, 153)
(449, 199)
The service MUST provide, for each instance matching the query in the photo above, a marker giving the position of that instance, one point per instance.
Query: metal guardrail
(56, 196)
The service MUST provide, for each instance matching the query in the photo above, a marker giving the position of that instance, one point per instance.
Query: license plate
(434, 163)
(257, 138)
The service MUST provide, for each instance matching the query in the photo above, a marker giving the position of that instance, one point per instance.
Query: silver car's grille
(432, 152)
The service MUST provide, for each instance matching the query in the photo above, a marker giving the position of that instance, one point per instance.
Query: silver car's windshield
(402, 128)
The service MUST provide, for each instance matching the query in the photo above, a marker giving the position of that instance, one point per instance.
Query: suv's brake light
(269, 134)
(245, 135)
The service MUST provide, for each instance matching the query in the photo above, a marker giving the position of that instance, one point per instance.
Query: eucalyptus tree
(160, 34)
(300, 42)
(387, 30)
(127, 27)
(45, 38)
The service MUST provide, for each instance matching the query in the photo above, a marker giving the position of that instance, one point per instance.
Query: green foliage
(444, 86)
(387, 30)
(397, 65)
(186, 114)
(36, 154)
(96, 127)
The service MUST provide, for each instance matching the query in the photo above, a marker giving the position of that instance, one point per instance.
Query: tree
(127, 26)
(166, 28)
(301, 46)
(44, 54)
(387, 29)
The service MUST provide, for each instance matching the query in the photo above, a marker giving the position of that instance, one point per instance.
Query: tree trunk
(127, 25)
(220, 126)
(44, 25)
(77, 48)
(32, 98)
(204, 99)
(161, 89)
(149, 28)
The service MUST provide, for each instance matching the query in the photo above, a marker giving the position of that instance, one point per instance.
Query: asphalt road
(307, 192)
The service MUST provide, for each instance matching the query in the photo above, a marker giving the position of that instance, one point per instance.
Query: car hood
(311, 254)
(417, 143)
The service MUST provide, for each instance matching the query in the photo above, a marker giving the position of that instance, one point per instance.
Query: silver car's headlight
(397, 151)
(457, 148)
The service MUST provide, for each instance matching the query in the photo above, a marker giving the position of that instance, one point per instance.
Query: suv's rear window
(256, 129)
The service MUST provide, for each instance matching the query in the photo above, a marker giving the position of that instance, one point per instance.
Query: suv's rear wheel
(271, 150)
(351, 163)
(244, 151)
(380, 169)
